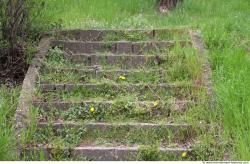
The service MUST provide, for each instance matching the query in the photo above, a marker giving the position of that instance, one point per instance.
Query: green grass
(225, 27)
(93, 13)
(8, 104)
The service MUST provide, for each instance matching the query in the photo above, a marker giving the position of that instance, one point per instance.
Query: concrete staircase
(115, 95)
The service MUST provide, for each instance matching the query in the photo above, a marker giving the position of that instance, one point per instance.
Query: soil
(13, 65)
(166, 5)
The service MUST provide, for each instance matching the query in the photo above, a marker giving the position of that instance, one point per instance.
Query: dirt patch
(13, 65)
(166, 5)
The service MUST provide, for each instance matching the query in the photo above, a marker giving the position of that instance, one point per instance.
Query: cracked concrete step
(87, 75)
(175, 129)
(116, 47)
(122, 60)
(109, 91)
(100, 35)
(104, 153)
(98, 70)
(174, 106)
(122, 134)
(116, 86)
(120, 153)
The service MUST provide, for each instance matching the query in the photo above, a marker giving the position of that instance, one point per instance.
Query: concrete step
(115, 87)
(104, 153)
(62, 106)
(98, 70)
(116, 47)
(119, 60)
(71, 75)
(143, 91)
(111, 35)
(175, 129)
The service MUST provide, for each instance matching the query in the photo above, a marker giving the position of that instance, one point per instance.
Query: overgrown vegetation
(225, 27)
(17, 37)
(8, 104)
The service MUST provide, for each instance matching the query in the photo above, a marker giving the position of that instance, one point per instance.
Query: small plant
(149, 153)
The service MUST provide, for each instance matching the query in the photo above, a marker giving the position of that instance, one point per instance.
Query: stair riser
(105, 127)
(116, 47)
(102, 154)
(100, 35)
(122, 61)
(98, 87)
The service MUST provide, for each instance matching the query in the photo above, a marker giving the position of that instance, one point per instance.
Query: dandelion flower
(122, 78)
(184, 155)
(92, 109)
(156, 103)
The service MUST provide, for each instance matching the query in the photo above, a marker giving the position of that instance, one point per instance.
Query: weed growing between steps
(126, 111)
(125, 107)
(109, 91)
(122, 35)
(144, 36)
(38, 139)
(116, 136)
(226, 32)
(92, 76)
(153, 154)
(69, 138)
(180, 64)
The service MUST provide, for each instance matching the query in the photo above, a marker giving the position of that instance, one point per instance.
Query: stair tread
(178, 105)
(101, 101)
(108, 148)
(115, 124)
(99, 69)
(126, 84)
(120, 41)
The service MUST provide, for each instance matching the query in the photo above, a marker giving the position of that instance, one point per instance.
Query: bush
(15, 27)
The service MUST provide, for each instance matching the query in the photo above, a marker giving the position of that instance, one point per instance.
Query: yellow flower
(184, 155)
(156, 103)
(92, 109)
(122, 78)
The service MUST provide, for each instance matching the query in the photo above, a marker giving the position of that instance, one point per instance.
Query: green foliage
(225, 28)
(8, 104)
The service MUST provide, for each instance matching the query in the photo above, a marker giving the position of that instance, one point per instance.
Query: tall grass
(93, 13)
(8, 104)
(225, 26)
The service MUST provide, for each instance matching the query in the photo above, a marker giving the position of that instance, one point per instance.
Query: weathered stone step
(120, 60)
(121, 153)
(174, 106)
(101, 71)
(110, 91)
(100, 35)
(116, 86)
(116, 47)
(175, 129)
(87, 75)
(104, 153)
(142, 91)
